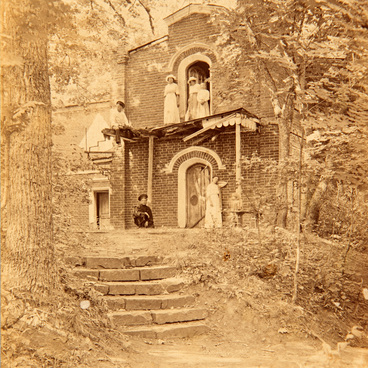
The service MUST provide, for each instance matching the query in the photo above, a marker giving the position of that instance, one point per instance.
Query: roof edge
(191, 9)
(151, 43)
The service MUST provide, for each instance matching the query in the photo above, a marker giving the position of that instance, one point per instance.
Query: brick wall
(78, 210)
(195, 28)
(145, 84)
(118, 185)
(72, 202)
(165, 185)
(70, 124)
(148, 66)
(69, 127)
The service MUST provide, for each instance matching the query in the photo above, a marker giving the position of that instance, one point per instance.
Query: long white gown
(171, 110)
(192, 111)
(213, 217)
(203, 97)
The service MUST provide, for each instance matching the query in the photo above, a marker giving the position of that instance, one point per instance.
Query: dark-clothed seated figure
(142, 213)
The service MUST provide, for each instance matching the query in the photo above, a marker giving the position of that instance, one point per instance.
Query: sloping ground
(246, 287)
(246, 283)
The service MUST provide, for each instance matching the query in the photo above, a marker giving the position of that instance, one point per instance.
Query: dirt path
(226, 345)
(137, 241)
(205, 352)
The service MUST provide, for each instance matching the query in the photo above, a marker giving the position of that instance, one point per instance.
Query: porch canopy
(195, 131)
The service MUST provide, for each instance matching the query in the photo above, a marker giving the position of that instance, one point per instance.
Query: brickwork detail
(165, 185)
(192, 152)
(205, 156)
(117, 197)
(191, 51)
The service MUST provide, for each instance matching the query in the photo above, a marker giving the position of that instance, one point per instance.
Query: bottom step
(160, 317)
(188, 329)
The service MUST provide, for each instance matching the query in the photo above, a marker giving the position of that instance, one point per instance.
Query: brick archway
(195, 152)
(181, 61)
(181, 162)
(182, 78)
(192, 49)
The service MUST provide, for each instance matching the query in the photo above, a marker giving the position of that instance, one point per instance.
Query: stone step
(131, 318)
(148, 302)
(131, 274)
(115, 262)
(159, 317)
(170, 285)
(179, 330)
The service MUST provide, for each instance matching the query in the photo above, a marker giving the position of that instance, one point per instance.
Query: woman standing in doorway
(203, 97)
(192, 111)
(171, 103)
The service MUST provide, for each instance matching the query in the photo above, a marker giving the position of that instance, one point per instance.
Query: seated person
(142, 213)
(118, 117)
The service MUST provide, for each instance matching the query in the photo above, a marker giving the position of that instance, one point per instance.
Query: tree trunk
(284, 123)
(27, 249)
(315, 205)
(282, 188)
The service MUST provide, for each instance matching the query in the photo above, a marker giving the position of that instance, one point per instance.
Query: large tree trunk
(27, 249)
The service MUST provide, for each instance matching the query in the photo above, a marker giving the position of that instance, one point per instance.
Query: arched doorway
(197, 179)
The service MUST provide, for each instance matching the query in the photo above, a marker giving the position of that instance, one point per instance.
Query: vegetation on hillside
(312, 57)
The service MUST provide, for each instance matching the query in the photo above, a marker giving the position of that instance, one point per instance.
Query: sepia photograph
(184, 183)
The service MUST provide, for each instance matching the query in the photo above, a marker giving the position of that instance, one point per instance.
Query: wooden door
(197, 179)
(103, 211)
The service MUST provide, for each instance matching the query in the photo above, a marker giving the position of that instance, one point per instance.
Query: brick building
(77, 129)
(174, 163)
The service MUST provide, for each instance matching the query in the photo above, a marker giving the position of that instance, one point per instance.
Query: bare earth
(241, 335)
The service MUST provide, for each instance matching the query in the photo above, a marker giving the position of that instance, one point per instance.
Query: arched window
(194, 65)
(199, 70)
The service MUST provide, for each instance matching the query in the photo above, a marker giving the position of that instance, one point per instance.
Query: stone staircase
(144, 296)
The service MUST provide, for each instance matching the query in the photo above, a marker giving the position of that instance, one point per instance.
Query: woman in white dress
(171, 103)
(213, 216)
(203, 97)
(192, 110)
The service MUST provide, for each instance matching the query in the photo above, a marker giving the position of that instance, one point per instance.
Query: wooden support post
(150, 168)
(238, 158)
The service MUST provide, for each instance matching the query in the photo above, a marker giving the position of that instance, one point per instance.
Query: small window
(199, 70)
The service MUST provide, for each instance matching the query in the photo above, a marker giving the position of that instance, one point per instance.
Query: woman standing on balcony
(171, 103)
(203, 97)
(192, 112)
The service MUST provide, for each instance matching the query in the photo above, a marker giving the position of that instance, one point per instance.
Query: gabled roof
(191, 9)
(178, 15)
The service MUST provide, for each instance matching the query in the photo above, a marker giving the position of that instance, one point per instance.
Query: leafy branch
(150, 18)
(116, 12)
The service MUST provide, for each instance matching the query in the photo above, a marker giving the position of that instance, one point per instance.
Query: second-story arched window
(195, 65)
(199, 70)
